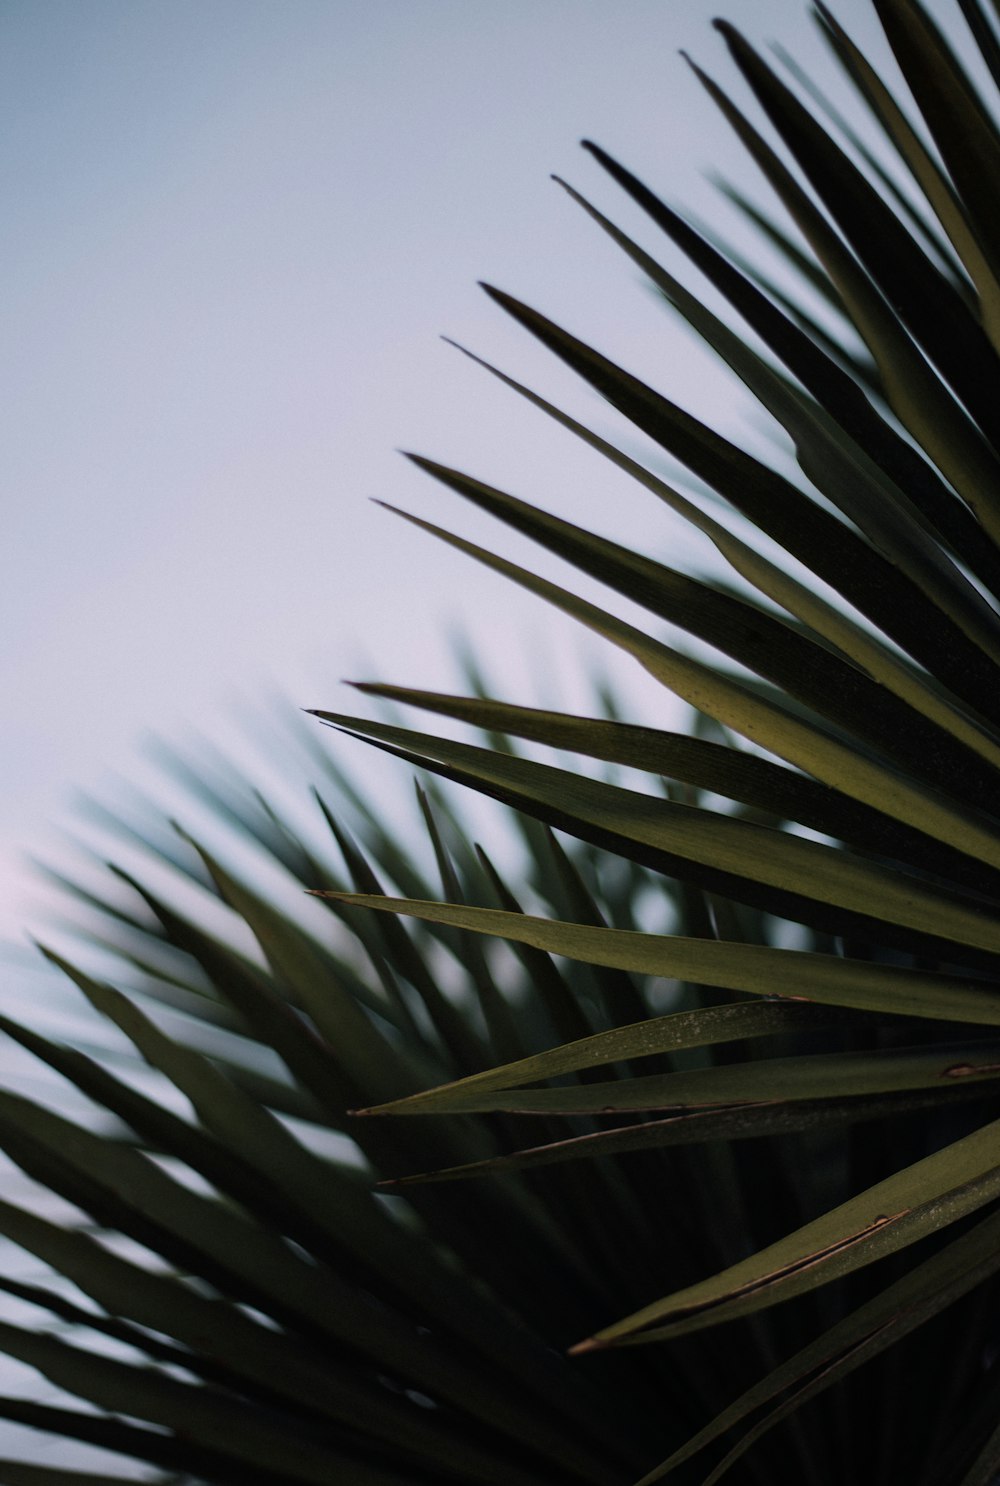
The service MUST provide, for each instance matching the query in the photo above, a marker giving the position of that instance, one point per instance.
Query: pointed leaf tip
(420, 460)
(599, 154)
(589, 1344)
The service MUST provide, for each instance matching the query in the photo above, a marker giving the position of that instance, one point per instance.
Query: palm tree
(796, 1076)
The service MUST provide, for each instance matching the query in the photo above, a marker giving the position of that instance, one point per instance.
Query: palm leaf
(893, 759)
(761, 980)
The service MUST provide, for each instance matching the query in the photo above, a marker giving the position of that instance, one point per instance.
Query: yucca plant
(280, 1322)
(745, 1167)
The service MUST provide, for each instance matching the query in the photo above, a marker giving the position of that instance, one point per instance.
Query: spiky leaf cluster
(788, 1268)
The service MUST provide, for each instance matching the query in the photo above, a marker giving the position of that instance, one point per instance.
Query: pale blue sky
(233, 232)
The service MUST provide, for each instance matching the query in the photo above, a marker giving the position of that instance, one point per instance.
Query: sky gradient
(235, 232)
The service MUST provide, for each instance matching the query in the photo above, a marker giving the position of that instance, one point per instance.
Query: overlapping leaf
(893, 756)
(797, 1073)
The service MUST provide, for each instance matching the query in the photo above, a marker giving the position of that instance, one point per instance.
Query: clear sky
(234, 230)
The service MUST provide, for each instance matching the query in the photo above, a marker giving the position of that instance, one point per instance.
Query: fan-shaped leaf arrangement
(798, 1083)
(863, 707)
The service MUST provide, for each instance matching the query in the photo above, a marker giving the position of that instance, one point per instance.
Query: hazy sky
(234, 230)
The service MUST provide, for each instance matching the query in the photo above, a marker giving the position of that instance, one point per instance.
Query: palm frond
(775, 1107)
(869, 716)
